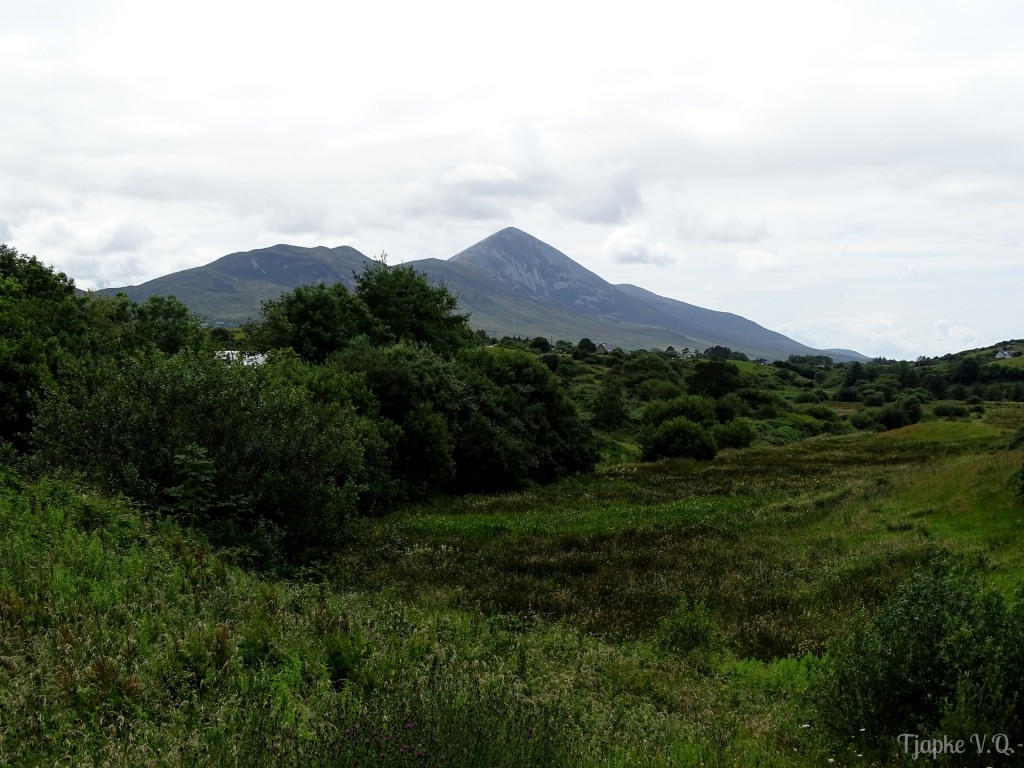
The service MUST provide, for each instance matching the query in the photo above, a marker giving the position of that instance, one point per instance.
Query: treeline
(728, 401)
(368, 399)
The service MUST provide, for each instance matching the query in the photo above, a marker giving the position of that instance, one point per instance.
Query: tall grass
(676, 613)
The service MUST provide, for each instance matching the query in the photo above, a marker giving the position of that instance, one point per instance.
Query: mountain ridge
(510, 282)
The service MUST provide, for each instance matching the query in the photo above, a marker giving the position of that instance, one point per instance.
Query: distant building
(247, 358)
(1005, 354)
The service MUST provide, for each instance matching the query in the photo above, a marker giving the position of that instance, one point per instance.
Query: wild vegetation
(392, 544)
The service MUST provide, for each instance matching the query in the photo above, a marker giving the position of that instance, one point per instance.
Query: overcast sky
(848, 173)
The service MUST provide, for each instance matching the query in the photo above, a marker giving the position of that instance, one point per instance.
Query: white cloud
(479, 174)
(785, 149)
(633, 245)
(752, 260)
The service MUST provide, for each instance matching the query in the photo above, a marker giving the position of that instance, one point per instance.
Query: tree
(166, 323)
(967, 371)
(521, 427)
(715, 378)
(586, 345)
(609, 404)
(541, 344)
(696, 408)
(413, 310)
(315, 321)
(42, 326)
(677, 438)
(234, 445)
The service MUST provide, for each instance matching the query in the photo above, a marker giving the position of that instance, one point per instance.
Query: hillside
(229, 290)
(511, 283)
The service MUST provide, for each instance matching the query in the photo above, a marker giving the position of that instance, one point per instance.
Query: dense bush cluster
(368, 398)
(944, 656)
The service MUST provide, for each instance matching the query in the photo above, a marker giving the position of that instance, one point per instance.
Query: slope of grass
(658, 614)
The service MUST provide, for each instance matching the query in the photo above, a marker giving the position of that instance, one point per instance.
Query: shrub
(687, 629)
(677, 438)
(657, 389)
(873, 399)
(729, 406)
(228, 444)
(949, 410)
(515, 425)
(894, 416)
(762, 403)
(866, 418)
(943, 656)
(738, 433)
(696, 408)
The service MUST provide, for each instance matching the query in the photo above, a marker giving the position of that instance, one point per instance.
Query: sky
(848, 173)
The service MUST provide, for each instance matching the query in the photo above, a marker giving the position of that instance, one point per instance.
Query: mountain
(229, 290)
(511, 283)
(514, 283)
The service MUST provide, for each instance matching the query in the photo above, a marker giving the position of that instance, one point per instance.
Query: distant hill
(511, 283)
(229, 291)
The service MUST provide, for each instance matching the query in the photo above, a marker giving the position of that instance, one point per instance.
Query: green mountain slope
(511, 283)
(229, 290)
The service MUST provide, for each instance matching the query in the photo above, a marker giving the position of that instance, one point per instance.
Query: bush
(516, 426)
(894, 416)
(729, 406)
(873, 399)
(735, 434)
(226, 444)
(943, 656)
(949, 411)
(677, 438)
(866, 418)
(687, 629)
(657, 389)
(696, 408)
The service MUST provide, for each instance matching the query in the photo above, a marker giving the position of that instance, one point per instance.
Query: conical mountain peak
(518, 261)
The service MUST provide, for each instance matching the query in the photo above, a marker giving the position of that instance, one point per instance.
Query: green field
(670, 613)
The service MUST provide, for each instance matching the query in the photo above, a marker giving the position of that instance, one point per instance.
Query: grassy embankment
(664, 614)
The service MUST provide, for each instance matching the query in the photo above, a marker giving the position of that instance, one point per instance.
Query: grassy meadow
(672, 613)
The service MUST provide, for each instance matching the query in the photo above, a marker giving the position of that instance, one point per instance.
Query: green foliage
(167, 324)
(943, 656)
(233, 443)
(540, 344)
(42, 328)
(696, 408)
(739, 433)
(714, 378)
(657, 389)
(762, 403)
(419, 392)
(729, 406)
(677, 438)
(687, 629)
(586, 345)
(535, 432)
(866, 418)
(413, 310)
(873, 398)
(643, 366)
(894, 416)
(315, 321)
(609, 404)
